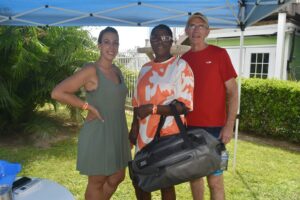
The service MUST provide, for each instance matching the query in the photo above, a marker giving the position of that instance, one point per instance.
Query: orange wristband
(85, 106)
(154, 109)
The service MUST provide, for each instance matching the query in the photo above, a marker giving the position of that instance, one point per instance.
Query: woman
(160, 82)
(103, 147)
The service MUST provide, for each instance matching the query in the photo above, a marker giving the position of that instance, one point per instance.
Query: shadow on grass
(63, 150)
(270, 142)
(247, 185)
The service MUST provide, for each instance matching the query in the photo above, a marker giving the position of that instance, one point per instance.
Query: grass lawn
(262, 172)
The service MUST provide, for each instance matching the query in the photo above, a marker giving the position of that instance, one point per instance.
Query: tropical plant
(32, 61)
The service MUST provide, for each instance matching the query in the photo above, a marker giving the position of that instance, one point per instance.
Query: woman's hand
(93, 114)
(144, 110)
(133, 133)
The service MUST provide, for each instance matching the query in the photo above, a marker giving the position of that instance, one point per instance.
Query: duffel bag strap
(180, 125)
(159, 127)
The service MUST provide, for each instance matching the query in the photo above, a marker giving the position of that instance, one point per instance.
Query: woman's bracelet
(85, 106)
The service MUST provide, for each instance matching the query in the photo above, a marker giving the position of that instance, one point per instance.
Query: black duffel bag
(175, 159)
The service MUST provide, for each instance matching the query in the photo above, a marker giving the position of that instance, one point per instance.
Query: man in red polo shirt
(215, 96)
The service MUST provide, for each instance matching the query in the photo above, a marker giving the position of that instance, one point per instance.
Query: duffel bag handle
(178, 119)
(181, 127)
(179, 123)
(159, 127)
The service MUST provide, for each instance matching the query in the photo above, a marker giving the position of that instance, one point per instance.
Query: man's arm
(134, 130)
(232, 107)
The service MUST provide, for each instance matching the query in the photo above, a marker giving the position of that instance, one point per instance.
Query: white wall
(234, 53)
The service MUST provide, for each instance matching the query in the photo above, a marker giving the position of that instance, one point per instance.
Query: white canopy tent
(220, 13)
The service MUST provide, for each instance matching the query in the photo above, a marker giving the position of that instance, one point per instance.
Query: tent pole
(239, 97)
(240, 74)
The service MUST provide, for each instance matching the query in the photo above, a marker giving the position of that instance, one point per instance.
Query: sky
(129, 37)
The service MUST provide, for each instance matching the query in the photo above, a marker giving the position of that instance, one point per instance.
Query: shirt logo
(208, 62)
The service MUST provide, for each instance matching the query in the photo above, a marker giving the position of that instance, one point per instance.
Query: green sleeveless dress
(103, 147)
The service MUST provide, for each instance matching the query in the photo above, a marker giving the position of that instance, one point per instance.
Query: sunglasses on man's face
(199, 26)
(162, 38)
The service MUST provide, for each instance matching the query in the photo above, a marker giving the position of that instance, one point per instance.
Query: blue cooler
(8, 172)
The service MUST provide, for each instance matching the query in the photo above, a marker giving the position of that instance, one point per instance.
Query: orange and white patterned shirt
(160, 84)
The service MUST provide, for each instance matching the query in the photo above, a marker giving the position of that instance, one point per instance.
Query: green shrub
(271, 108)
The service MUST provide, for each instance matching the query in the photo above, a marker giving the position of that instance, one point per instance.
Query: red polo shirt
(212, 67)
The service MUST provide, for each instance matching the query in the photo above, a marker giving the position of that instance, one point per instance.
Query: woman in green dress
(103, 146)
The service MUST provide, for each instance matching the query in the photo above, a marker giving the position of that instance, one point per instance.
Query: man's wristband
(154, 109)
(85, 106)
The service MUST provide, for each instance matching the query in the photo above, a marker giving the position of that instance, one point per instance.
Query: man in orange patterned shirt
(160, 82)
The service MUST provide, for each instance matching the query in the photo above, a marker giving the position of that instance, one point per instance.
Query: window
(259, 65)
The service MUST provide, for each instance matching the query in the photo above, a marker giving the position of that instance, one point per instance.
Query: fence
(132, 64)
(130, 83)
(132, 61)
